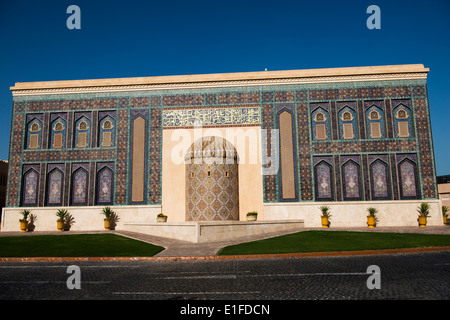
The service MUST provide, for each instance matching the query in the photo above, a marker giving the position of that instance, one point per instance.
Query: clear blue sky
(150, 38)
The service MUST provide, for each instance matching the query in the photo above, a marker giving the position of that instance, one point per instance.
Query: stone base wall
(348, 214)
(85, 218)
(353, 214)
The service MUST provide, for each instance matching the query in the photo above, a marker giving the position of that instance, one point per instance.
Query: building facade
(213, 147)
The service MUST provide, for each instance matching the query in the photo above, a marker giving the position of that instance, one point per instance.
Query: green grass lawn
(325, 241)
(79, 245)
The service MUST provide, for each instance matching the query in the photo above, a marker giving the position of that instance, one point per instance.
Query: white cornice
(404, 72)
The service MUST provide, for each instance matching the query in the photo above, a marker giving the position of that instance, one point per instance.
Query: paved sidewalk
(178, 248)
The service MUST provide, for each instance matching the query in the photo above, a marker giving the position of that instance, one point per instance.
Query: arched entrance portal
(212, 182)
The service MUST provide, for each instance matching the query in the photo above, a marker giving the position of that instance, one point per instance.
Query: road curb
(229, 257)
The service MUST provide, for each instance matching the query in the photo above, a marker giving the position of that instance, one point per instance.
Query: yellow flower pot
(60, 225)
(161, 219)
(23, 226)
(445, 220)
(107, 224)
(371, 222)
(422, 221)
(325, 222)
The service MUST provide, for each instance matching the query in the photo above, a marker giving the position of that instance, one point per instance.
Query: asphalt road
(401, 276)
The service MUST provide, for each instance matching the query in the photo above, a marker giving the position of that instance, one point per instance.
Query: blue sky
(151, 38)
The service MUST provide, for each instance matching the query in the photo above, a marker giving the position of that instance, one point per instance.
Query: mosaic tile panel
(121, 157)
(65, 104)
(237, 98)
(15, 161)
(211, 195)
(339, 147)
(270, 181)
(68, 155)
(154, 157)
(304, 152)
(211, 117)
(426, 158)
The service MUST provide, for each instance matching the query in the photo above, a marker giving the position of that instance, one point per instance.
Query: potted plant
(372, 217)
(24, 220)
(61, 214)
(161, 218)
(252, 216)
(445, 214)
(108, 213)
(424, 211)
(31, 219)
(326, 216)
(69, 220)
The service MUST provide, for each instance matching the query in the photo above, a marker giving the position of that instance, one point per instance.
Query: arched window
(351, 180)
(324, 181)
(347, 116)
(35, 127)
(82, 125)
(320, 117)
(401, 114)
(107, 132)
(402, 121)
(107, 124)
(58, 133)
(375, 122)
(408, 179)
(82, 133)
(79, 187)
(105, 186)
(347, 123)
(320, 124)
(30, 188)
(374, 115)
(379, 178)
(54, 187)
(59, 126)
(34, 134)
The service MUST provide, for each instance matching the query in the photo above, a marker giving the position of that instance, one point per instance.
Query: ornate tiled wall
(213, 197)
(359, 100)
(333, 168)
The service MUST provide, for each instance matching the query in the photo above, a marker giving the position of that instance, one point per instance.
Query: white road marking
(185, 293)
